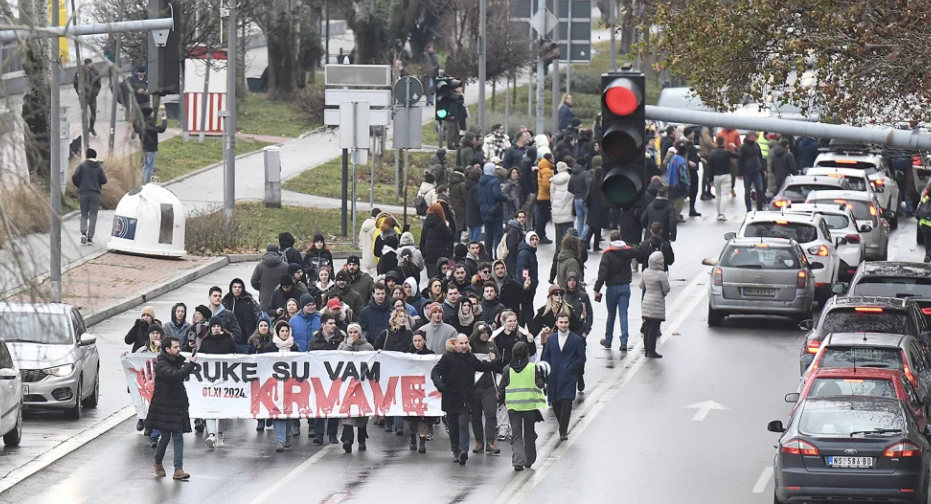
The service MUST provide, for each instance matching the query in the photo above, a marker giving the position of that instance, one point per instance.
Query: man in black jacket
(662, 211)
(229, 322)
(88, 177)
(750, 168)
(694, 160)
(781, 165)
(615, 272)
(247, 312)
(148, 131)
(91, 90)
(168, 410)
(510, 291)
(720, 162)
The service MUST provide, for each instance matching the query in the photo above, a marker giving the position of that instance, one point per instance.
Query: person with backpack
(656, 243)
(678, 178)
(426, 195)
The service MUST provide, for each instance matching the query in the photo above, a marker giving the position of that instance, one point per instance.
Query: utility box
(149, 221)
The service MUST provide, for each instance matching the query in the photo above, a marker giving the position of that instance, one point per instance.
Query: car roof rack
(851, 148)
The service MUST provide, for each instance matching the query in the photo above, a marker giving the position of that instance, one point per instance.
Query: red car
(863, 381)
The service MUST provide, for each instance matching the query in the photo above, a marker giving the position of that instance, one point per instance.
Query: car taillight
(718, 276)
(908, 371)
(853, 238)
(799, 447)
(818, 250)
(813, 346)
(868, 309)
(916, 160)
(902, 450)
(780, 203)
(926, 311)
(802, 280)
(872, 209)
(879, 182)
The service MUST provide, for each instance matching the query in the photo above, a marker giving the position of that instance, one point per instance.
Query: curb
(204, 169)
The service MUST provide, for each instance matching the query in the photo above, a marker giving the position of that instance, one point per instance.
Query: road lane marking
(278, 485)
(69, 445)
(524, 482)
(703, 408)
(763, 481)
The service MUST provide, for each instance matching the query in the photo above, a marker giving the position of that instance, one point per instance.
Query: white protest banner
(297, 385)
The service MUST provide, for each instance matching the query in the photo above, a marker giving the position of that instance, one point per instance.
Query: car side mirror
(730, 235)
(775, 426)
(866, 228)
(806, 325)
(817, 266)
(88, 339)
(841, 241)
(8, 374)
(792, 398)
(839, 288)
(709, 261)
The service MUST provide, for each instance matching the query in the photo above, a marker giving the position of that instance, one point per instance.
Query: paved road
(633, 436)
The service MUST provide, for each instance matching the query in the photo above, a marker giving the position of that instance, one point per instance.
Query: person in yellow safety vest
(522, 393)
(923, 214)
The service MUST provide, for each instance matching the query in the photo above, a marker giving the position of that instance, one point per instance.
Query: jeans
(618, 301)
(475, 234)
(282, 430)
(722, 186)
(155, 435)
(348, 435)
(163, 445)
(431, 94)
(523, 437)
(330, 425)
(90, 205)
(148, 166)
(756, 181)
(493, 233)
(459, 431)
(581, 216)
(485, 408)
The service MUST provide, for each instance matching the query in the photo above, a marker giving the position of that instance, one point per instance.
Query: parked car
(842, 223)
(11, 399)
(796, 188)
(904, 280)
(858, 156)
(871, 221)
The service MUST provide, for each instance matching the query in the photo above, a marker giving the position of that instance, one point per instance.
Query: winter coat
(807, 152)
(662, 211)
(168, 409)
(781, 165)
(435, 239)
(546, 318)
(438, 335)
(542, 144)
(751, 159)
(495, 145)
(246, 311)
(347, 296)
(266, 276)
(366, 240)
(655, 285)
(149, 131)
(510, 292)
(439, 169)
(527, 260)
(528, 177)
(505, 342)
(544, 174)
(363, 284)
(303, 326)
(230, 324)
(561, 199)
(280, 300)
(217, 344)
(513, 156)
(458, 197)
(177, 328)
(490, 310)
(394, 341)
(567, 262)
(566, 115)
(407, 243)
(487, 379)
(473, 208)
(318, 341)
(652, 190)
(515, 198)
(518, 367)
(614, 268)
(706, 143)
(374, 319)
(466, 155)
(631, 229)
(138, 335)
(719, 161)
(89, 176)
(656, 244)
(360, 345)
(428, 192)
(448, 211)
(579, 181)
(454, 377)
(513, 237)
(564, 366)
(595, 203)
(581, 304)
(491, 199)
(315, 259)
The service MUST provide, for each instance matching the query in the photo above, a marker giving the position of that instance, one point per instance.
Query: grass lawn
(326, 180)
(259, 116)
(255, 226)
(176, 158)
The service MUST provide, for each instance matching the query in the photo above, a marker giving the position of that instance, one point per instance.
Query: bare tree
(35, 55)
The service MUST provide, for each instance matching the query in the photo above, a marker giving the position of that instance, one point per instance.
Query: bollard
(272, 177)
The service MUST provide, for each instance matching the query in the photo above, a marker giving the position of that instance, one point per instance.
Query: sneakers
(399, 431)
(721, 218)
(211, 441)
(160, 470)
(90, 241)
(279, 447)
(518, 468)
(654, 355)
(605, 343)
(492, 449)
(333, 440)
(463, 457)
(180, 475)
(694, 213)
(456, 455)
(83, 239)
(140, 424)
(287, 443)
(479, 446)
(422, 446)
(198, 425)
(564, 437)
(623, 347)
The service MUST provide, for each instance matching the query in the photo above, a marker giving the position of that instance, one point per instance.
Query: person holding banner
(329, 337)
(282, 342)
(454, 377)
(168, 411)
(420, 427)
(354, 342)
(219, 342)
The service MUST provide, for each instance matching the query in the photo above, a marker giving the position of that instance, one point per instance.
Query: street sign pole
(482, 8)
(541, 6)
(229, 189)
(612, 22)
(55, 189)
(344, 194)
(355, 141)
(554, 102)
(569, 50)
(405, 187)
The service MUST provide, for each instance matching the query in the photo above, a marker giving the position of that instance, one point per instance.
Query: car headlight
(60, 371)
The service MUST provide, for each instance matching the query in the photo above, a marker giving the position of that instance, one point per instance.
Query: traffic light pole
(482, 29)
(229, 179)
(554, 99)
(612, 22)
(541, 6)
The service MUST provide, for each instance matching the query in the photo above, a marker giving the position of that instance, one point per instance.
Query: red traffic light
(622, 97)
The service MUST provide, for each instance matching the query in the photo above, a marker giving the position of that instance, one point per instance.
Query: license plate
(760, 292)
(25, 389)
(859, 462)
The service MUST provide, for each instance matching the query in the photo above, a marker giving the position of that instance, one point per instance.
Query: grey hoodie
(266, 276)
(89, 177)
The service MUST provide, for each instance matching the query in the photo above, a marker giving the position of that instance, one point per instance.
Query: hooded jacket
(438, 167)
(542, 144)
(427, 191)
(751, 158)
(579, 181)
(457, 198)
(360, 345)
(436, 239)
(407, 243)
(286, 245)
(490, 198)
(374, 319)
(581, 304)
(347, 295)
(781, 165)
(303, 326)
(807, 152)
(89, 176)
(454, 376)
(544, 174)
(614, 268)
(438, 335)
(149, 131)
(561, 199)
(566, 263)
(487, 379)
(527, 260)
(473, 207)
(366, 240)
(509, 289)
(363, 284)
(230, 324)
(217, 344)
(177, 328)
(652, 189)
(168, 409)
(654, 244)
(314, 259)
(655, 285)
(245, 309)
(662, 211)
(266, 276)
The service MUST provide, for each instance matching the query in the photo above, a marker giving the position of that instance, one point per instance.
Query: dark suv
(903, 280)
(861, 314)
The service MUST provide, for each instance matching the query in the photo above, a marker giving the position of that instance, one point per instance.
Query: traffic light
(623, 124)
(446, 97)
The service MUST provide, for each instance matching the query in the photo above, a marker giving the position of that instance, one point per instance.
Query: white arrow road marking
(703, 408)
(764, 480)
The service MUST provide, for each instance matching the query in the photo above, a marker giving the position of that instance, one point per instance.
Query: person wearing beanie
(491, 205)
(427, 190)
(343, 290)
(267, 274)
(199, 327)
(138, 335)
(88, 177)
(280, 296)
(544, 174)
(306, 322)
(216, 342)
(153, 342)
(389, 258)
(359, 280)
(317, 257)
(561, 200)
(437, 331)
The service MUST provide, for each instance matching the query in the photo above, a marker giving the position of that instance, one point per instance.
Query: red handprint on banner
(145, 380)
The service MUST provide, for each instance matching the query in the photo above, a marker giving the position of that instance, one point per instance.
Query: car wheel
(75, 412)
(94, 398)
(14, 437)
(714, 317)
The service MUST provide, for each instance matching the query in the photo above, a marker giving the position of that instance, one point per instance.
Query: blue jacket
(374, 319)
(304, 326)
(566, 115)
(491, 199)
(527, 260)
(564, 366)
(807, 152)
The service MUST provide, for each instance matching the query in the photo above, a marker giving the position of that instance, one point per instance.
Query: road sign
(358, 75)
(408, 126)
(544, 22)
(408, 91)
(354, 125)
(374, 97)
(377, 117)
(579, 49)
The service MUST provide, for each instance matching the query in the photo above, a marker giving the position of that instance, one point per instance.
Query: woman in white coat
(561, 200)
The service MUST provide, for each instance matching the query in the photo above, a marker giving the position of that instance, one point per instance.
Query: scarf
(283, 345)
(466, 320)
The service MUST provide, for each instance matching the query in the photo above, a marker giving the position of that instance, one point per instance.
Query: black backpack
(420, 205)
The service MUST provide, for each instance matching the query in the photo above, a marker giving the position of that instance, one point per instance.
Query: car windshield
(867, 319)
(802, 233)
(836, 221)
(798, 193)
(838, 418)
(760, 257)
(861, 209)
(861, 356)
(893, 287)
(852, 386)
(35, 327)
